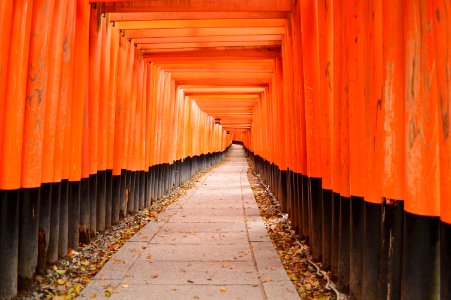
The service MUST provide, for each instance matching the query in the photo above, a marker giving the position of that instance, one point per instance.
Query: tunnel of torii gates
(343, 105)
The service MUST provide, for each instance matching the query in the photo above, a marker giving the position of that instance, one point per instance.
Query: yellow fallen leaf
(223, 289)
(61, 272)
(107, 293)
(78, 288)
(61, 281)
(125, 286)
(93, 295)
(293, 277)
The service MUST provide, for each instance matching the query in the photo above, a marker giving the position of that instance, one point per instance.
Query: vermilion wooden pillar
(422, 203)
(14, 81)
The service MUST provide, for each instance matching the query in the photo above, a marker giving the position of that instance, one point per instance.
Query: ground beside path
(210, 244)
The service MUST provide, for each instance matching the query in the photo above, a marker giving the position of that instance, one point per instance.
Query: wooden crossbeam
(195, 5)
(190, 15)
(210, 23)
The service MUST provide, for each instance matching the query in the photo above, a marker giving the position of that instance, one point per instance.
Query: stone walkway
(211, 244)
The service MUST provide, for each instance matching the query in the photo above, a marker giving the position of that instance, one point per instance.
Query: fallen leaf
(107, 293)
(125, 286)
(93, 295)
(190, 281)
(223, 289)
(154, 276)
(61, 281)
(293, 277)
(61, 272)
(78, 288)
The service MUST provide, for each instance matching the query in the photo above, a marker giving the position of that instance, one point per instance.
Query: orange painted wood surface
(374, 109)
(13, 111)
(393, 99)
(196, 6)
(68, 71)
(79, 91)
(37, 127)
(421, 126)
(310, 51)
(63, 125)
(355, 93)
(443, 57)
(6, 11)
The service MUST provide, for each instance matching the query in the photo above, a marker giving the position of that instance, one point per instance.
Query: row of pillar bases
(40, 225)
(374, 251)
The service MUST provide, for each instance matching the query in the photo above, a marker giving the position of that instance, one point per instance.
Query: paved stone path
(211, 244)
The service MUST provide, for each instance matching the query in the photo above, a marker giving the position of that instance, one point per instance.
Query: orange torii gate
(105, 106)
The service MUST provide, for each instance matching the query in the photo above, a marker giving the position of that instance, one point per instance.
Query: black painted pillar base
(305, 209)
(44, 226)
(296, 204)
(391, 250)
(153, 184)
(116, 200)
(85, 212)
(64, 221)
(108, 198)
(335, 234)
(161, 174)
(9, 242)
(52, 252)
(129, 192)
(176, 173)
(28, 236)
(93, 204)
(101, 200)
(356, 246)
(297, 189)
(147, 200)
(167, 177)
(136, 191)
(326, 228)
(344, 245)
(123, 195)
(157, 182)
(289, 195)
(28, 233)
(74, 215)
(421, 257)
(371, 250)
(445, 261)
(173, 174)
(284, 193)
(315, 199)
(142, 190)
